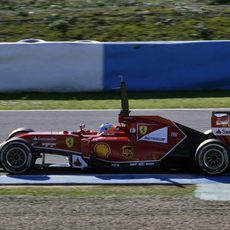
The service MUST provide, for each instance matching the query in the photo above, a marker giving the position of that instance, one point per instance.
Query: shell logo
(102, 150)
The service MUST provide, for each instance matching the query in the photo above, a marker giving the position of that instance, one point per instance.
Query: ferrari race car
(136, 143)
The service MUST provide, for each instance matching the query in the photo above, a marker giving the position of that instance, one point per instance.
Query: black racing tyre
(19, 131)
(16, 157)
(212, 157)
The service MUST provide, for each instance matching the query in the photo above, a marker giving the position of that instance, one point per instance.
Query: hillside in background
(132, 20)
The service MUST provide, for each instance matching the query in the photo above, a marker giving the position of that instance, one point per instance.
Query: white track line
(100, 110)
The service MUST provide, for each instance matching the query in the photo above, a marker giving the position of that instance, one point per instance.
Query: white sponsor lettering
(115, 165)
(159, 136)
(150, 164)
(142, 164)
(49, 145)
(44, 139)
(221, 131)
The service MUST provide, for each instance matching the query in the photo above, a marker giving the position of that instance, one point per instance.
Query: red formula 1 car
(137, 143)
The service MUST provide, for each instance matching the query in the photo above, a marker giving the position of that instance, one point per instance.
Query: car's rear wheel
(16, 157)
(212, 157)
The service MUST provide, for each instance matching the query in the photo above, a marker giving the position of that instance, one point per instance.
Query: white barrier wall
(51, 66)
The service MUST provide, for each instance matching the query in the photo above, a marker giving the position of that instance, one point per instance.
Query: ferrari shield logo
(143, 129)
(69, 142)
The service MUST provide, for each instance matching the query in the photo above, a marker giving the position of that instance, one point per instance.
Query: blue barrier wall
(168, 65)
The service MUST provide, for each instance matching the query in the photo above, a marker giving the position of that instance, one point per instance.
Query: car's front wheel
(19, 131)
(212, 157)
(16, 157)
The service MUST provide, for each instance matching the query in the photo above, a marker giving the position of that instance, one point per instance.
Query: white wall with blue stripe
(95, 66)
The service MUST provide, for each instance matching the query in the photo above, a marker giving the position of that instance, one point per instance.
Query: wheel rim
(214, 159)
(16, 157)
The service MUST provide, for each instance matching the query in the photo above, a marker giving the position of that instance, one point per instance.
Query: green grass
(107, 20)
(137, 100)
(76, 191)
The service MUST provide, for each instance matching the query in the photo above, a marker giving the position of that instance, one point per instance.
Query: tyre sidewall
(207, 146)
(19, 131)
(28, 160)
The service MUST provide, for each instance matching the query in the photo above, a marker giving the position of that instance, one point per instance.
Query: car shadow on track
(176, 178)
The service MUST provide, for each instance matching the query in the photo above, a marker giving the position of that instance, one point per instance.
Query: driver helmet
(106, 127)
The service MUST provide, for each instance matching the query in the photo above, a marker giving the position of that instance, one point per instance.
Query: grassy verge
(76, 191)
(107, 20)
(138, 100)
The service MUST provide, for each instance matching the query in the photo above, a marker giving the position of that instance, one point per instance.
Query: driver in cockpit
(106, 127)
